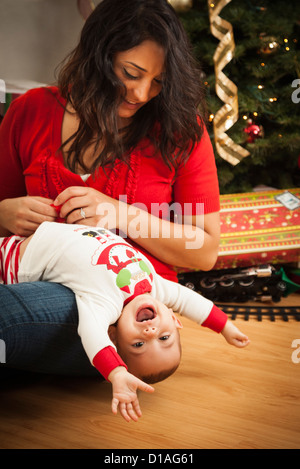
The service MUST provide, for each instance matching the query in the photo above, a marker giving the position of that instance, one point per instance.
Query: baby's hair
(160, 376)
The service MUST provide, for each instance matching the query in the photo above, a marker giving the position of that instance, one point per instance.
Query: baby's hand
(125, 387)
(234, 336)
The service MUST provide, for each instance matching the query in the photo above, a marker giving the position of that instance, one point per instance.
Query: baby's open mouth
(145, 314)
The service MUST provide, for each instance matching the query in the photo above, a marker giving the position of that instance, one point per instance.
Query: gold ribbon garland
(226, 90)
(181, 5)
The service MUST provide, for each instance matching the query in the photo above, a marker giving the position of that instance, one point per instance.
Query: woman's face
(141, 70)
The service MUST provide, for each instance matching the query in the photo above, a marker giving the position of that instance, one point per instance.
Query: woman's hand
(188, 245)
(23, 215)
(88, 206)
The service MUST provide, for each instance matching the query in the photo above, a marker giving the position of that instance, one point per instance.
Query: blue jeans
(38, 326)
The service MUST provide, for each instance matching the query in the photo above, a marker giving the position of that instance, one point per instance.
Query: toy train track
(259, 312)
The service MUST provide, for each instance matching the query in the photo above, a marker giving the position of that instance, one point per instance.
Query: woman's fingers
(71, 210)
(69, 193)
(43, 208)
(23, 215)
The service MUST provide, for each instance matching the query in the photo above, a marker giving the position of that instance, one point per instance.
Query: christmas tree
(266, 70)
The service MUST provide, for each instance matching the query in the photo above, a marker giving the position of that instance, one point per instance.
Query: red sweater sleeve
(197, 179)
(107, 360)
(12, 182)
(31, 126)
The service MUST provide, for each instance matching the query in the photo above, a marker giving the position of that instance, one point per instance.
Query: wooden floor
(220, 397)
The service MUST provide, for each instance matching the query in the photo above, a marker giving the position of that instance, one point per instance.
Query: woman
(121, 128)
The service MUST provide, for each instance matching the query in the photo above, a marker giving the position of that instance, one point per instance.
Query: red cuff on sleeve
(107, 360)
(216, 319)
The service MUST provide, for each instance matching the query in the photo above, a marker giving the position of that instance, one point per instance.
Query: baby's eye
(164, 337)
(138, 344)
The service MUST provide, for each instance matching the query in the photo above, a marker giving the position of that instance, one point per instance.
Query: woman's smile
(132, 105)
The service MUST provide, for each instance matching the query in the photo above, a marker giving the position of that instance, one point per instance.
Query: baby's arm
(24, 245)
(125, 386)
(199, 309)
(234, 336)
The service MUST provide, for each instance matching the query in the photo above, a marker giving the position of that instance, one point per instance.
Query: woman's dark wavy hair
(87, 80)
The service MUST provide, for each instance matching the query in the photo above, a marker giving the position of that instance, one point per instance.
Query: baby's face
(147, 337)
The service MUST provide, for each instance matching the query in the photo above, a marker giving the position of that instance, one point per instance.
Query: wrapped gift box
(257, 228)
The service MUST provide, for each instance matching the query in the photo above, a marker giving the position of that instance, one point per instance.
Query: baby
(126, 320)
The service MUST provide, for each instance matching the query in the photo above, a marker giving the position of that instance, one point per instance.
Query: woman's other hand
(23, 215)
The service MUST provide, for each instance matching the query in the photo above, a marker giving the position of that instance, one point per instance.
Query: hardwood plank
(220, 397)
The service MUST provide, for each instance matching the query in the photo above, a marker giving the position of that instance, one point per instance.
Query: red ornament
(254, 131)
